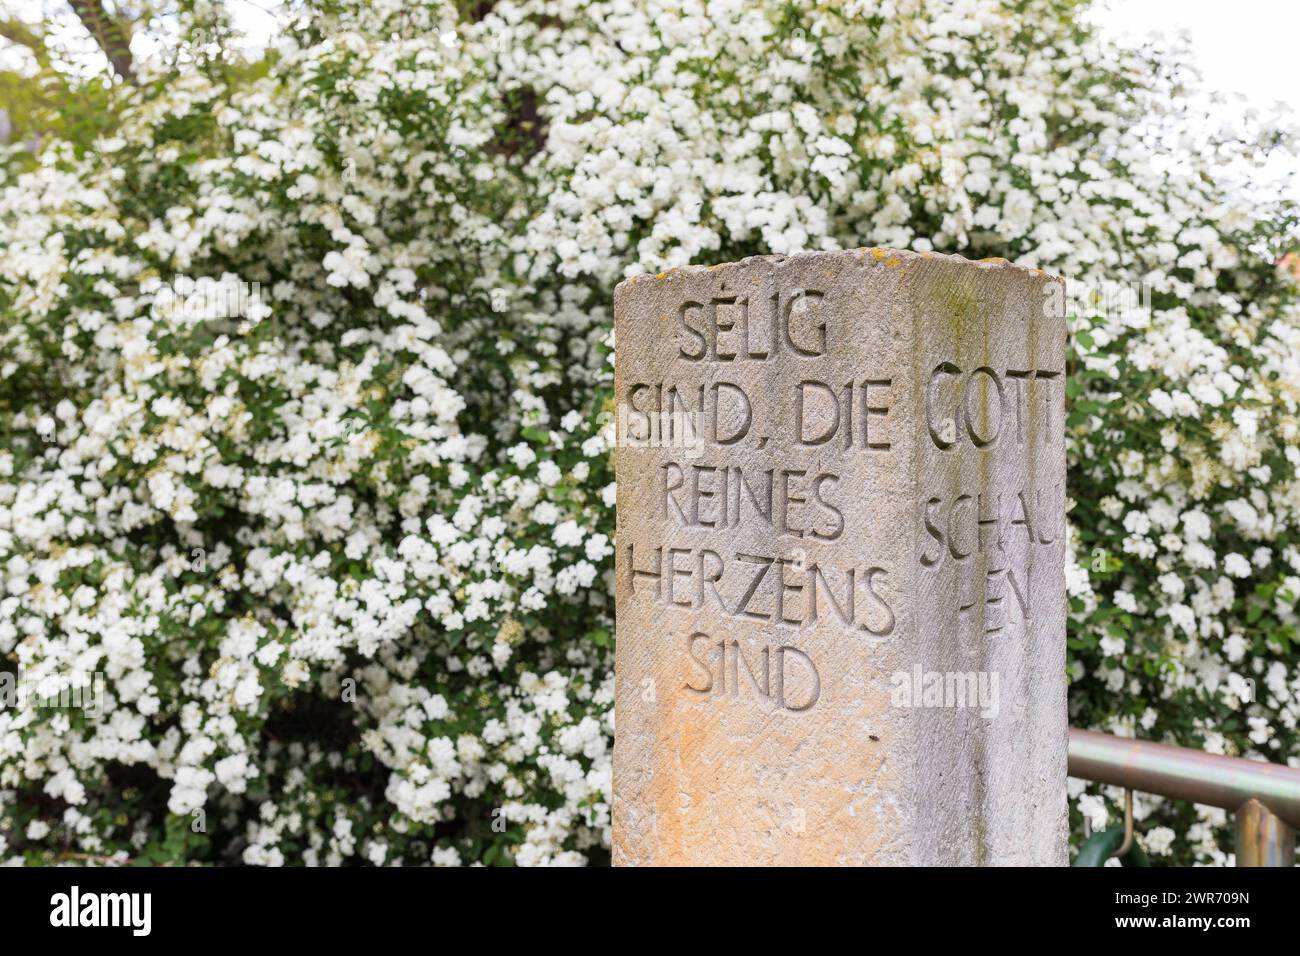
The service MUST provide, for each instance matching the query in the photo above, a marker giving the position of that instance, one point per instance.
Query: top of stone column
(891, 258)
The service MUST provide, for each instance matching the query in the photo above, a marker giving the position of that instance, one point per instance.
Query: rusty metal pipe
(1263, 839)
(1185, 774)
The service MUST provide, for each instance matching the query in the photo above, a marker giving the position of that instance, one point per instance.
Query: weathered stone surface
(840, 585)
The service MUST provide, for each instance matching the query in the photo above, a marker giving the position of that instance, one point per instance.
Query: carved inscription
(989, 412)
(985, 405)
(711, 424)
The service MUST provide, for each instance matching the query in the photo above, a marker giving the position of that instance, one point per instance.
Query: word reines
(705, 496)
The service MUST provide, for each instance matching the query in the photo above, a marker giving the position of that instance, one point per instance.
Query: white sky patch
(1245, 48)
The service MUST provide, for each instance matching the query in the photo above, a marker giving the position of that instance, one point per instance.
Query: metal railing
(1265, 797)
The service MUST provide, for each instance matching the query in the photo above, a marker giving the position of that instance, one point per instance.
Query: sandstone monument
(840, 570)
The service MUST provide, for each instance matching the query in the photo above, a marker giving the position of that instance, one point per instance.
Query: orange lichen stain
(662, 275)
(878, 254)
(993, 259)
(679, 771)
(893, 261)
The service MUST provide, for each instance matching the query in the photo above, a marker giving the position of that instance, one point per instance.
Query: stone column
(840, 568)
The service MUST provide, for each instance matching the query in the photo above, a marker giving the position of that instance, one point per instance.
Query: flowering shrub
(304, 372)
